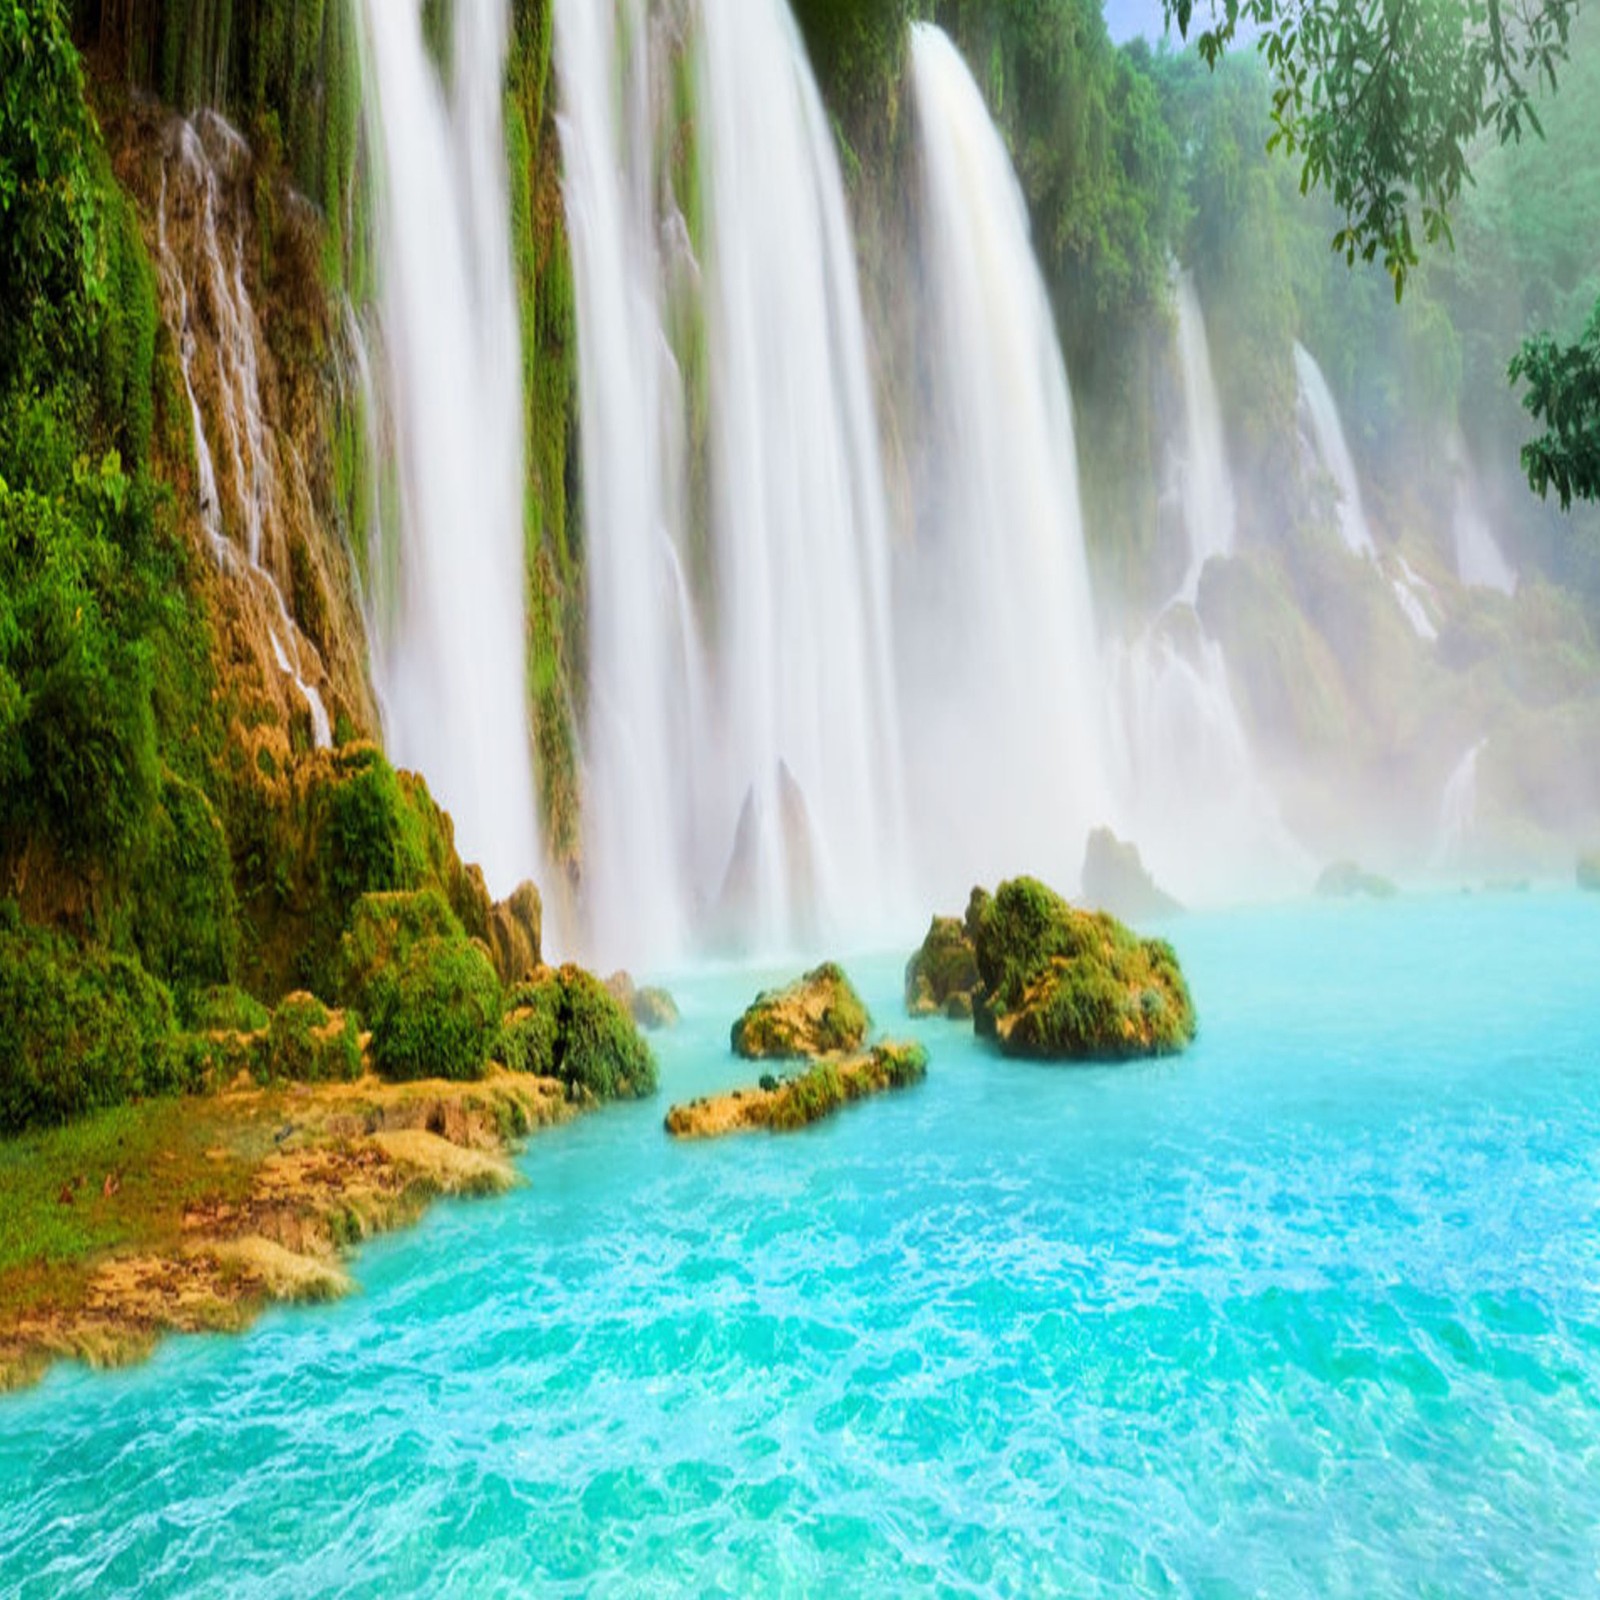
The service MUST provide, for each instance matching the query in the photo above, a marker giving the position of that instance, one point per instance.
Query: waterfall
(640, 751)
(807, 775)
(450, 656)
(201, 270)
(1327, 438)
(1193, 796)
(1480, 564)
(1208, 503)
(1458, 808)
(1411, 594)
(1000, 658)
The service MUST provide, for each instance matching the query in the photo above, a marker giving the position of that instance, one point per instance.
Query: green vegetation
(1063, 984)
(819, 1014)
(1344, 880)
(85, 1030)
(436, 1013)
(306, 1043)
(943, 974)
(1564, 394)
(566, 1024)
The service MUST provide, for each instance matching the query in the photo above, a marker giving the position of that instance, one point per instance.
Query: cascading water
(203, 285)
(1480, 564)
(1000, 660)
(1328, 440)
(1458, 809)
(806, 778)
(1208, 503)
(1193, 797)
(641, 738)
(450, 656)
(1411, 593)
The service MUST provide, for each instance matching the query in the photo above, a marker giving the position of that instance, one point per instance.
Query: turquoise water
(1312, 1310)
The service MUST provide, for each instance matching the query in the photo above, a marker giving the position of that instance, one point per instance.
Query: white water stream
(451, 655)
(202, 281)
(1002, 666)
(1208, 502)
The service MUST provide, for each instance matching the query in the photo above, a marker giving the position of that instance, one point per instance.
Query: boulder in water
(1115, 879)
(818, 1015)
(651, 1009)
(1060, 984)
(1344, 880)
(943, 974)
(1589, 872)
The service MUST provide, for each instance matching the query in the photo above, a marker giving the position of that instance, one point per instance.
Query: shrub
(306, 1043)
(84, 1030)
(602, 1052)
(437, 1013)
(226, 1009)
(383, 931)
(530, 1037)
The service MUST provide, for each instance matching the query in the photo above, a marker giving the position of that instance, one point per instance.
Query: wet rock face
(651, 1009)
(817, 1015)
(1116, 880)
(1344, 880)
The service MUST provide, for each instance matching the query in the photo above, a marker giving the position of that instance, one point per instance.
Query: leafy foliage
(1564, 394)
(436, 1014)
(1382, 103)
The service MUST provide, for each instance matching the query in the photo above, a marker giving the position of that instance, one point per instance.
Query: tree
(1383, 102)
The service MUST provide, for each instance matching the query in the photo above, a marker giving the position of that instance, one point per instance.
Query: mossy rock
(785, 1105)
(307, 1043)
(227, 1009)
(384, 929)
(1060, 984)
(1115, 879)
(1344, 880)
(943, 973)
(1589, 872)
(819, 1014)
(568, 1025)
(84, 1030)
(437, 1013)
(516, 934)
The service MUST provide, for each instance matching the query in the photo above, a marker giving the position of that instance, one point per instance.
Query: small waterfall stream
(200, 262)
(1208, 503)
(451, 657)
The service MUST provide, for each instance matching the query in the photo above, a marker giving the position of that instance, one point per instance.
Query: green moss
(818, 1014)
(226, 1009)
(530, 1036)
(945, 968)
(306, 1043)
(85, 1029)
(1064, 984)
(383, 931)
(566, 1024)
(437, 1013)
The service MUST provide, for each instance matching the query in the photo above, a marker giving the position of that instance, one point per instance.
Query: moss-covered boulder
(384, 929)
(1060, 984)
(1115, 879)
(436, 1013)
(305, 1042)
(943, 975)
(83, 1029)
(1589, 872)
(1345, 880)
(516, 934)
(819, 1014)
(652, 1009)
(567, 1025)
(783, 1106)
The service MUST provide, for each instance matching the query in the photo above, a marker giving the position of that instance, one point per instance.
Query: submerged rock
(1115, 879)
(782, 1106)
(817, 1015)
(1345, 879)
(943, 974)
(1589, 872)
(1060, 984)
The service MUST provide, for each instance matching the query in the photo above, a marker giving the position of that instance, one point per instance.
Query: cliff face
(260, 229)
